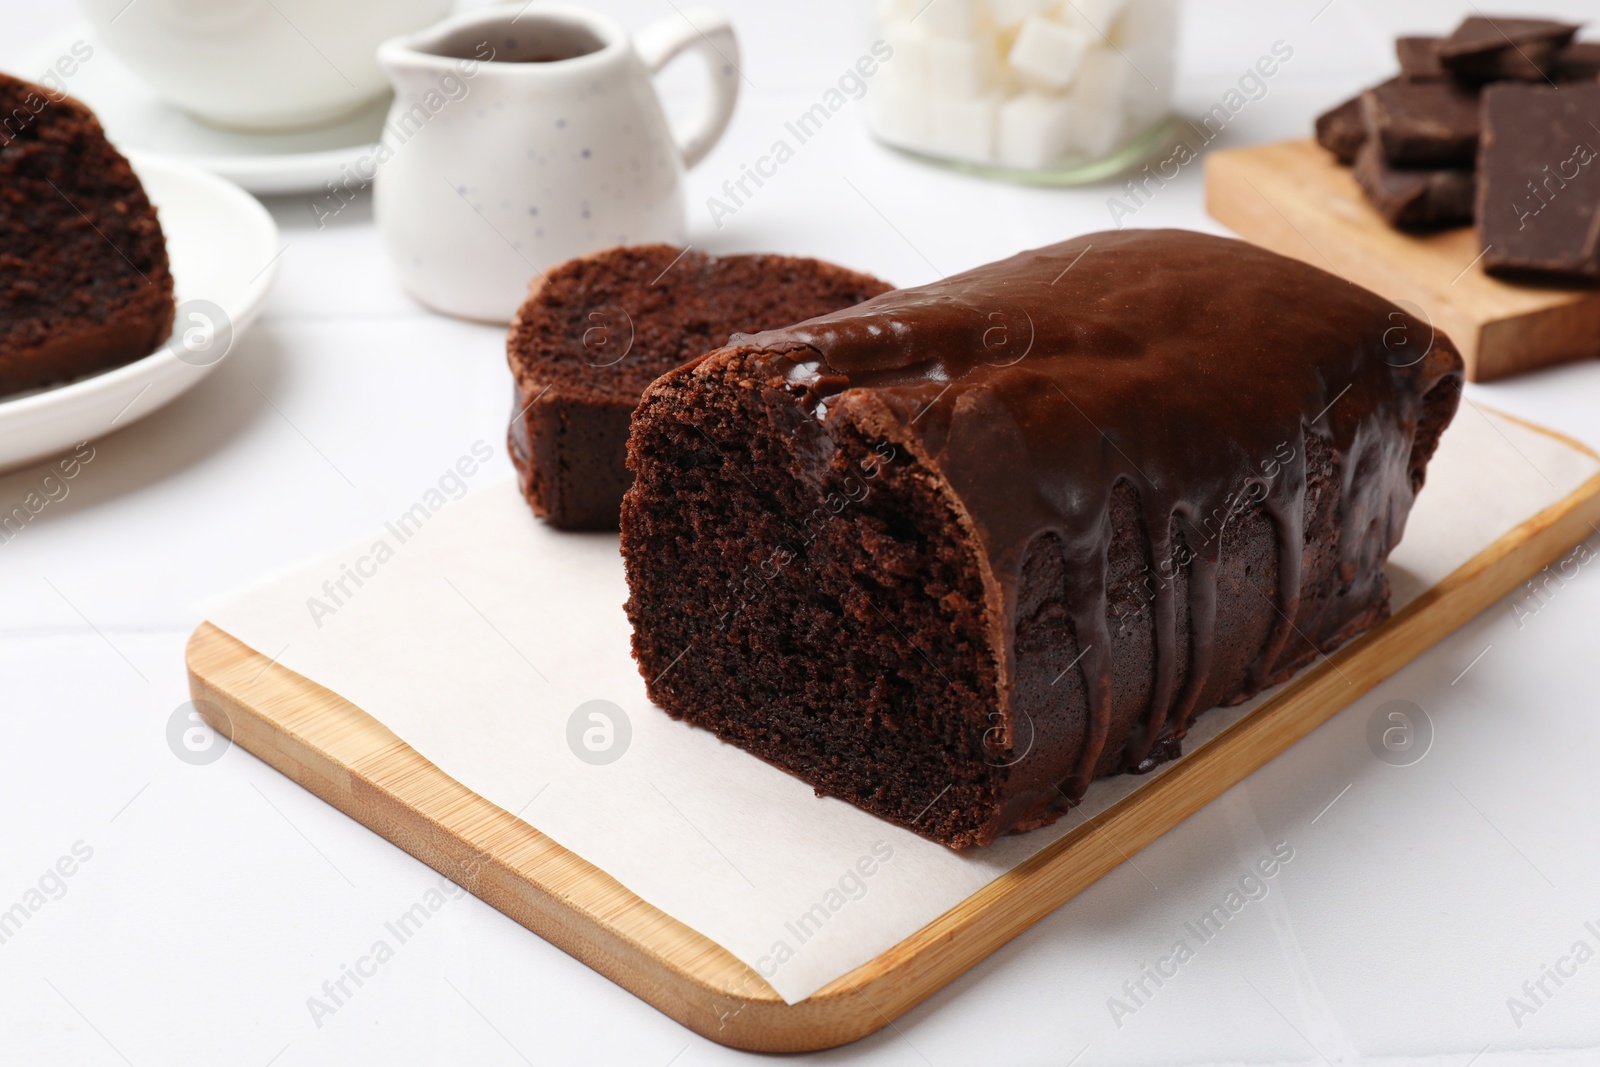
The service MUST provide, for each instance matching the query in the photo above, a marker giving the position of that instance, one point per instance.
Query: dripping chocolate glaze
(1185, 365)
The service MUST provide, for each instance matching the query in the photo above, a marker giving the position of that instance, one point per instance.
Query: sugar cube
(949, 18)
(908, 68)
(961, 68)
(1048, 52)
(1100, 100)
(1035, 130)
(1094, 16)
(1103, 78)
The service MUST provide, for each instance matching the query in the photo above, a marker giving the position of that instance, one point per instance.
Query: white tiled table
(217, 899)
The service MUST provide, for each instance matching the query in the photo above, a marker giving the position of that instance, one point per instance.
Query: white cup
(259, 64)
(521, 137)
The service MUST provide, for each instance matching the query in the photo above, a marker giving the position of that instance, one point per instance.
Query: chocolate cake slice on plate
(84, 281)
(595, 331)
(955, 552)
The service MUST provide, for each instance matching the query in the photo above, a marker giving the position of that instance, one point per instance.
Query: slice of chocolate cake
(595, 331)
(84, 282)
(953, 553)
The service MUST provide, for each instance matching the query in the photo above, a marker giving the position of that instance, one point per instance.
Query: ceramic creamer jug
(523, 136)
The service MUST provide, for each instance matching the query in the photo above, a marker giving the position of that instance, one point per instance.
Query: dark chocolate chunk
(1491, 49)
(1579, 63)
(1343, 130)
(1419, 58)
(1539, 180)
(1415, 199)
(1423, 123)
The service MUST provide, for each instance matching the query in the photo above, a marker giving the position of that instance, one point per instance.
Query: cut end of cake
(811, 595)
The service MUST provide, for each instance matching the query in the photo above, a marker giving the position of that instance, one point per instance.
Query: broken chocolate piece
(1579, 63)
(1415, 199)
(1419, 58)
(1343, 130)
(1539, 180)
(1490, 49)
(1423, 123)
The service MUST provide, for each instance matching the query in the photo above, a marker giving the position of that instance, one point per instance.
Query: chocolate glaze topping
(1185, 365)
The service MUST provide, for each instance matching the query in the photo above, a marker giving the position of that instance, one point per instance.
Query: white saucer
(223, 247)
(136, 120)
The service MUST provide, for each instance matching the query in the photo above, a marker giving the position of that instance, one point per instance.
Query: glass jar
(1045, 91)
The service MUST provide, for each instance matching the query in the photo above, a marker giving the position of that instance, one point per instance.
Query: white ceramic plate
(137, 120)
(223, 247)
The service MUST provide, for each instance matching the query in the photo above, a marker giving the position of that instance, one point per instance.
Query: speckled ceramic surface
(519, 140)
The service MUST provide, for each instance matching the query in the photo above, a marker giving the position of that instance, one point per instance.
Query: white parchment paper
(475, 633)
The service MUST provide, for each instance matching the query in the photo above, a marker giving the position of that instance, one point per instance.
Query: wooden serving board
(352, 761)
(1296, 199)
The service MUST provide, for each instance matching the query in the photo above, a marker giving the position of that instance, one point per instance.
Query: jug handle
(710, 34)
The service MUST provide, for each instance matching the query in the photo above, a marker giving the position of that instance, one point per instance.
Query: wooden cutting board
(1295, 198)
(352, 761)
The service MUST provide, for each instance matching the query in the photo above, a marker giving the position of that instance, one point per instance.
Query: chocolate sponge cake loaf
(595, 331)
(84, 282)
(955, 552)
